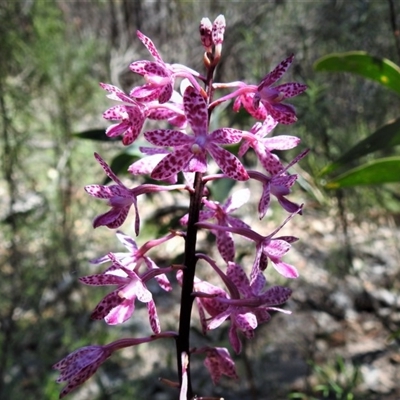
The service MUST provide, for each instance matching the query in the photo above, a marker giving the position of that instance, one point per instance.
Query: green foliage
(376, 172)
(338, 380)
(384, 139)
(379, 171)
(378, 69)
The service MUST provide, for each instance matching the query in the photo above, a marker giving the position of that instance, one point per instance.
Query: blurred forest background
(52, 56)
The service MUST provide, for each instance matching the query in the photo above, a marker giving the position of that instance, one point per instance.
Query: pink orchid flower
(246, 304)
(160, 76)
(190, 151)
(221, 213)
(265, 99)
(263, 146)
(218, 362)
(267, 247)
(120, 198)
(78, 366)
(119, 305)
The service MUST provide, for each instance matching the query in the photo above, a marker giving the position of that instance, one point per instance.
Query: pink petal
(149, 46)
(276, 295)
(120, 313)
(165, 93)
(239, 278)
(291, 89)
(281, 142)
(99, 191)
(116, 93)
(196, 111)
(259, 112)
(237, 199)
(246, 322)
(139, 67)
(287, 270)
(168, 137)
(102, 280)
(112, 219)
(153, 317)
(234, 339)
(226, 136)
(268, 160)
(276, 73)
(283, 113)
(277, 248)
(258, 284)
(264, 200)
(110, 301)
(172, 163)
(229, 164)
(219, 319)
(225, 245)
(127, 241)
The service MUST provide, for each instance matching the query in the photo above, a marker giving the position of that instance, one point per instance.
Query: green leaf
(378, 69)
(377, 172)
(385, 137)
(95, 134)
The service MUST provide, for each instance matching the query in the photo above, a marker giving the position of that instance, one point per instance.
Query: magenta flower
(271, 97)
(120, 198)
(172, 111)
(264, 145)
(190, 152)
(278, 185)
(264, 99)
(81, 364)
(136, 257)
(246, 305)
(160, 76)
(218, 362)
(267, 247)
(221, 213)
(119, 305)
(132, 116)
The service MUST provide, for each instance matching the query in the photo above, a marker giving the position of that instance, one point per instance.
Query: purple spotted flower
(132, 115)
(120, 198)
(279, 185)
(267, 247)
(263, 146)
(160, 77)
(81, 364)
(190, 151)
(246, 304)
(136, 257)
(119, 305)
(271, 97)
(265, 99)
(218, 362)
(221, 213)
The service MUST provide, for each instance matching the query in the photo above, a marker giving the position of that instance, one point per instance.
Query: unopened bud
(218, 30)
(206, 28)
